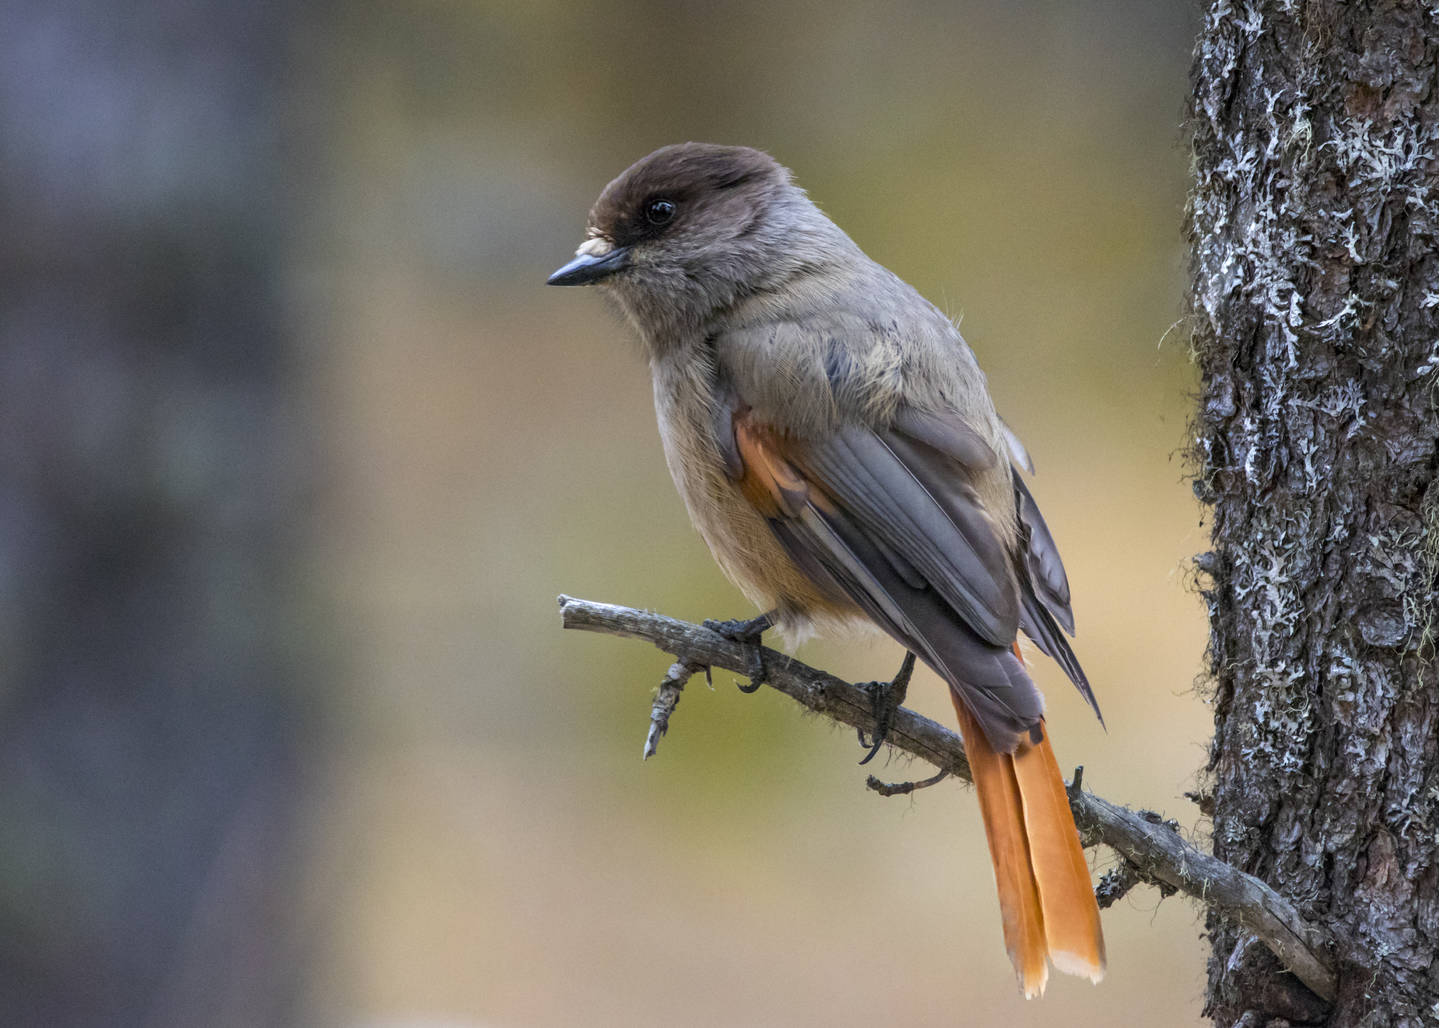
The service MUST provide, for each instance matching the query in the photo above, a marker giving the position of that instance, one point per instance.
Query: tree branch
(1152, 846)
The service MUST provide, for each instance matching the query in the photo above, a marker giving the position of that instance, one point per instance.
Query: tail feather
(1072, 918)
(1047, 906)
(1001, 810)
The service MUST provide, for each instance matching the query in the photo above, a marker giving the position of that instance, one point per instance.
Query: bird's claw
(746, 633)
(885, 700)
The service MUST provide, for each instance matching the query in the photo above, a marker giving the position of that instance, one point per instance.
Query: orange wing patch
(769, 481)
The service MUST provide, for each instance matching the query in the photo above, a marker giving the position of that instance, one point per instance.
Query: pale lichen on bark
(1312, 223)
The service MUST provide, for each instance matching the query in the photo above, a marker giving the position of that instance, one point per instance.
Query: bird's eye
(658, 212)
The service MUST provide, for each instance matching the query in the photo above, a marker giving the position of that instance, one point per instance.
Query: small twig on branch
(1155, 849)
(904, 788)
(666, 701)
(1116, 884)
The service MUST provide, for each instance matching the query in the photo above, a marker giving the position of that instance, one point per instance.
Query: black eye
(658, 212)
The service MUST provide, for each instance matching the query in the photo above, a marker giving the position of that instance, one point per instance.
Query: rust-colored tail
(1047, 905)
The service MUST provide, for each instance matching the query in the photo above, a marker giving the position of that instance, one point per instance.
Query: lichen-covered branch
(1152, 846)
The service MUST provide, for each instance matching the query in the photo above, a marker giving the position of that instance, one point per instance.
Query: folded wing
(894, 524)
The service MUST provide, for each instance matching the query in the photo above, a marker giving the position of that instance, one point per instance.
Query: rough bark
(1314, 296)
(150, 719)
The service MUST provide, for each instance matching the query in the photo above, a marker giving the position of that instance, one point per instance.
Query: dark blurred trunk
(151, 716)
(1314, 300)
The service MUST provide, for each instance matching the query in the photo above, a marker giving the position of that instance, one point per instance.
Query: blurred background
(296, 452)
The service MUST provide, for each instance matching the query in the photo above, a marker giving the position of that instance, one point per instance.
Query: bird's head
(689, 229)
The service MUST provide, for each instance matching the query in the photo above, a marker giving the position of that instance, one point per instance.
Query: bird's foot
(885, 700)
(747, 633)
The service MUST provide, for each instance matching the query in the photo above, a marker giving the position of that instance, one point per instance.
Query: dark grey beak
(585, 269)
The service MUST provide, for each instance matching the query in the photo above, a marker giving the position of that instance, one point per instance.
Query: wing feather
(937, 524)
(1042, 558)
(815, 520)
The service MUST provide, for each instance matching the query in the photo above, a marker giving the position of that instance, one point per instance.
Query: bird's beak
(597, 259)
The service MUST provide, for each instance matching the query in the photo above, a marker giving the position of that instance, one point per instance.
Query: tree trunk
(151, 719)
(1314, 297)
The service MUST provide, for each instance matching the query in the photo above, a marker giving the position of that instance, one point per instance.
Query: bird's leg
(886, 698)
(747, 633)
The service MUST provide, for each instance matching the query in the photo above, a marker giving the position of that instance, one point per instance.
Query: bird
(834, 441)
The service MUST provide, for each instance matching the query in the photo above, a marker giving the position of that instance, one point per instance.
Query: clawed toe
(747, 633)
(885, 699)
